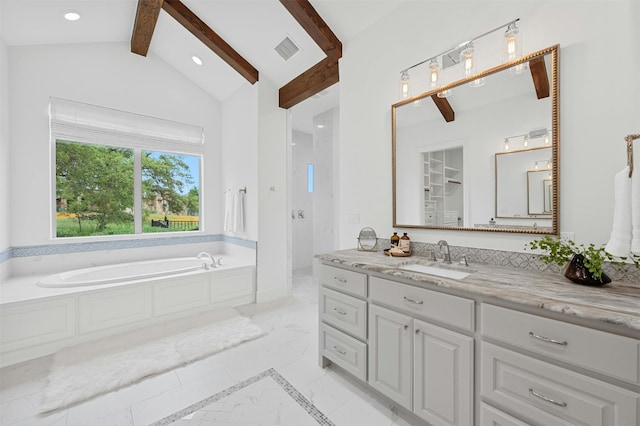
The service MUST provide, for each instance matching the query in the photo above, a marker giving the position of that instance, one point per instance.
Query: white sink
(437, 271)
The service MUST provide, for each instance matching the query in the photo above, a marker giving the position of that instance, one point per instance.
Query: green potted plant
(586, 263)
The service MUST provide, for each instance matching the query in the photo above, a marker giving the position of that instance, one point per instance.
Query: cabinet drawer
(344, 351)
(346, 281)
(344, 312)
(445, 308)
(545, 394)
(605, 353)
(490, 416)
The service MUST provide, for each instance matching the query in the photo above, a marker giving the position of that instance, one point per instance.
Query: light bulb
(546, 138)
(467, 60)
(506, 144)
(549, 164)
(526, 141)
(536, 166)
(512, 45)
(404, 84)
(434, 72)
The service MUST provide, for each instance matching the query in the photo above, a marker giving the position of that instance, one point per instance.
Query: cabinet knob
(417, 331)
(406, 326)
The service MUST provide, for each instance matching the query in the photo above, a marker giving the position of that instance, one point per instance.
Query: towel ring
(630, 139)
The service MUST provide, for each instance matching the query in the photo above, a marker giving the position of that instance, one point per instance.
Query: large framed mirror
(481, 158)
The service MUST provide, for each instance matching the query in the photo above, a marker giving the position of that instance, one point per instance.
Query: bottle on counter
(395, 240)
(405, 243)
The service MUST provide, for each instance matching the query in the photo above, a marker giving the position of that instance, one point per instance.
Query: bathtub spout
(211, 263)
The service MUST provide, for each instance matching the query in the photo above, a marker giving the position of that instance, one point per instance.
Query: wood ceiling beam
(445, 108)
(315, 79)
(540, 77)
(213, 41)
(303, 12)
(144, 25)
(325, 73)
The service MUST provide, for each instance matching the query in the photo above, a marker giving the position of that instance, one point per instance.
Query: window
(118, 173)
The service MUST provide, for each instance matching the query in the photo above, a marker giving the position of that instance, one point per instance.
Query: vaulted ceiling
(251, 28)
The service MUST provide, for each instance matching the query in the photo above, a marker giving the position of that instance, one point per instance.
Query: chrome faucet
(211, 263)
(447, 255)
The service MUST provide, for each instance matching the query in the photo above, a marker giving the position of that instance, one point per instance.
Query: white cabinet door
(390, 354)
(443, 375)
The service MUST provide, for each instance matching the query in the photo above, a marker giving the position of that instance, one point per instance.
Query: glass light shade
(434, 73)
(512, 44)
(525, 143)
(467, 60)
(546, 139)
(445, 93)
(506, 144)
(404, 85)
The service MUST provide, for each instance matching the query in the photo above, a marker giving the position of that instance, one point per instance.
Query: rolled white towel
(620, 241)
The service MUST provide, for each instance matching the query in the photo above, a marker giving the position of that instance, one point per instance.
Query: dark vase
(578, 273)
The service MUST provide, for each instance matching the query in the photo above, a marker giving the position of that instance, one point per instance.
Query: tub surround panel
(616, 304)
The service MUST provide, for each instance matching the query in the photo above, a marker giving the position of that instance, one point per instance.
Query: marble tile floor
(290, 348)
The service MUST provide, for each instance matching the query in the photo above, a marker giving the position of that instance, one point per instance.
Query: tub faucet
(211, 263)
(447, 255)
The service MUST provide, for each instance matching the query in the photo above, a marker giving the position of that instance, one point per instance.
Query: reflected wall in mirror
(463, 133)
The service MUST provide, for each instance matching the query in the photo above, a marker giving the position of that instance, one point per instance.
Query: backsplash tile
(527, 261)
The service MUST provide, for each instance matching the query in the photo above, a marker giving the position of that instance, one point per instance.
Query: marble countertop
(615, 303)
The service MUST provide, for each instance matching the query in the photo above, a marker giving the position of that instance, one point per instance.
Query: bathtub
(41, 315)
(122, 272)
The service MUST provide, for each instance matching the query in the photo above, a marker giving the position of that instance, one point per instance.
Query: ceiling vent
(287, 48)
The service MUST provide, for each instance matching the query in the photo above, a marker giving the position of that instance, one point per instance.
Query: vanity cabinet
(472, 359)
(426, 368)
(518, 374)
(343, 316)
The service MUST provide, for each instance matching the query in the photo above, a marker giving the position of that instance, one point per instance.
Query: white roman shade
(80, 122)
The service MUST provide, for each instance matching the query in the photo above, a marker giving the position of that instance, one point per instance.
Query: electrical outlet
(353, 217)
(568, 236)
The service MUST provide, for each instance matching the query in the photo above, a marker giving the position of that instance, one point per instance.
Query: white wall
(239, 158)
(325, 140)
(599, 65)
(302, 200)
(101, 74)
(5, 182)
(274, 263)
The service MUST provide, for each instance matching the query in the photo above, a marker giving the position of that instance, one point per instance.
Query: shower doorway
(312, 187)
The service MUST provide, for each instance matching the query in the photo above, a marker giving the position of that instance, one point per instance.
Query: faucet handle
(463, 260)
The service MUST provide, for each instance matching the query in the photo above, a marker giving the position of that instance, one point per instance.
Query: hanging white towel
(238, 212)
(635, 210)
(228, 210)
(620, 241)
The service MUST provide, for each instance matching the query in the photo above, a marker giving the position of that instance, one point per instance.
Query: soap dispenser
(405, 243)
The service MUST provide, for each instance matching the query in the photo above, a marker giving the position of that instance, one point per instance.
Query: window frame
(87, 124)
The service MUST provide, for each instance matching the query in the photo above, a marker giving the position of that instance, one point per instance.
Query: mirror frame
(554, 52)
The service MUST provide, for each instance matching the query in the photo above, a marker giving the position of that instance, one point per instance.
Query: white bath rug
(81, 372)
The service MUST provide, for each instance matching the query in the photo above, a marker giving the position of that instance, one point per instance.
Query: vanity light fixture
(466, 51)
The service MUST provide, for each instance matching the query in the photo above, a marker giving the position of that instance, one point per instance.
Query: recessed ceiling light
(71, 15)
(196, 60)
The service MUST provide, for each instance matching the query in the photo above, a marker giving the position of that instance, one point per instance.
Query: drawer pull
(546, 398)
(406, 326)
(548, 340)
(340, 280)
(344, 353)
(341, 312)
(417, 302)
